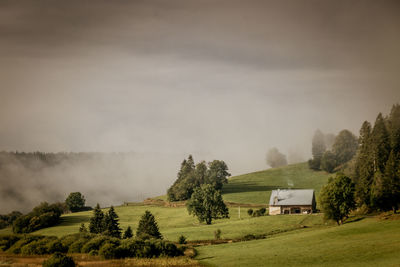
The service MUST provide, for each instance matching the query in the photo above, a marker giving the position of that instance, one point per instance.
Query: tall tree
(75, 201)
(345, 146)
(328, 162)
(96, 224)
(318, 150)
(206, 204)
(364, 169)
(148, 227)
(276, 158)
(217, 174)
(337, 198)
(111, 224)
(394, 128)
(380, 144)
(392, 183)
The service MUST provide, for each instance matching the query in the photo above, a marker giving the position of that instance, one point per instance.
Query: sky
(217, 79)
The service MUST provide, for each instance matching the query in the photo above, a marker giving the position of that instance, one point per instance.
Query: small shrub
(182, 240)
(262, 211)
(16, 247)
(59, 260)
(250, 212)
(94, 244)
(108, 250)
(128, 233)
(217, 234)
(56, 246)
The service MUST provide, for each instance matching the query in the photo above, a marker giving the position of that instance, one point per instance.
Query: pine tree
(394, 128)
(111, 224)
(318, 150)
(392, 182)
(380, 144)
(364, 171)
(96, 224)
(148, 227)
(82, 228)
(128, 233)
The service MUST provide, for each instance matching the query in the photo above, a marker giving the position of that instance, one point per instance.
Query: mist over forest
(27, 179)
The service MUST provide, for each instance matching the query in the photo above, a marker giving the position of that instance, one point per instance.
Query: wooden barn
(291, 201)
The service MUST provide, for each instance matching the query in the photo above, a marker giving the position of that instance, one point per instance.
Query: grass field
(255, 188)
(368, 242)
(174, 222)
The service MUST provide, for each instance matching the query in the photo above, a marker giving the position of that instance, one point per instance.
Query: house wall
(274, 210)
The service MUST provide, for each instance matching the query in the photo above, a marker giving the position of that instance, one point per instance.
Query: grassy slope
(174, 222)
(256, 187)
(368, 242)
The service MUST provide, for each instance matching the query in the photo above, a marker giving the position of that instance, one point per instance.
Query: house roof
(283, 197)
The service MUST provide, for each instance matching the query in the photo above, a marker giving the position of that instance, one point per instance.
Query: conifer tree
(148, 227)
(318, 150)
(128, 233)
(380, 144)
(364, 171)
(392, 182)
(394, 128)
(82, 228)
(111, 224)
(96, 225)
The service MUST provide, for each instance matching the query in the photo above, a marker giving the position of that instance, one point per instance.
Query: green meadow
(367, 242)
(255, 188)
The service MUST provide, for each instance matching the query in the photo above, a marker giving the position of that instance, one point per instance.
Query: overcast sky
(217, 79)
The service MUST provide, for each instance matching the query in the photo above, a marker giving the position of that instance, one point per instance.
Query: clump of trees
(373, 183)
(376, 174)
(107, 224)
(341, 151)
(59, 260)
(337, 198)
(8, 219)
(191, 176)
(206, 204)
(276, 158)
(42, 216)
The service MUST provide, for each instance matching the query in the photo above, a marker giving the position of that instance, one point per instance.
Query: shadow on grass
(72, 220)
(351, 220)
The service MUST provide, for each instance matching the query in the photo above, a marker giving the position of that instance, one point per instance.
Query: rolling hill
(255, 188)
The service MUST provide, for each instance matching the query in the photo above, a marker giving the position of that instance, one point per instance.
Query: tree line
(372, 182)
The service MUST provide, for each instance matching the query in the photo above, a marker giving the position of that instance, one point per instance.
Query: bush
(16, 247)
(250, 212)
(6, 241)
(182, 240)
(262, 211)
(56, 246)
(108, 250)
(94, 244)
(59, 260)
(217, 234)
(38, 247)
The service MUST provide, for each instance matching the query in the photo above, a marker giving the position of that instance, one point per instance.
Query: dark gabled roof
(283, 197)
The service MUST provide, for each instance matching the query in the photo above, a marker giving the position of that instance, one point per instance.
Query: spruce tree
(392, 182)
(318, 150)
(96, 225)
(111, 224)
(148, 227)
(394, 128)
(364, 171)
(380, 144)
(128, 233)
